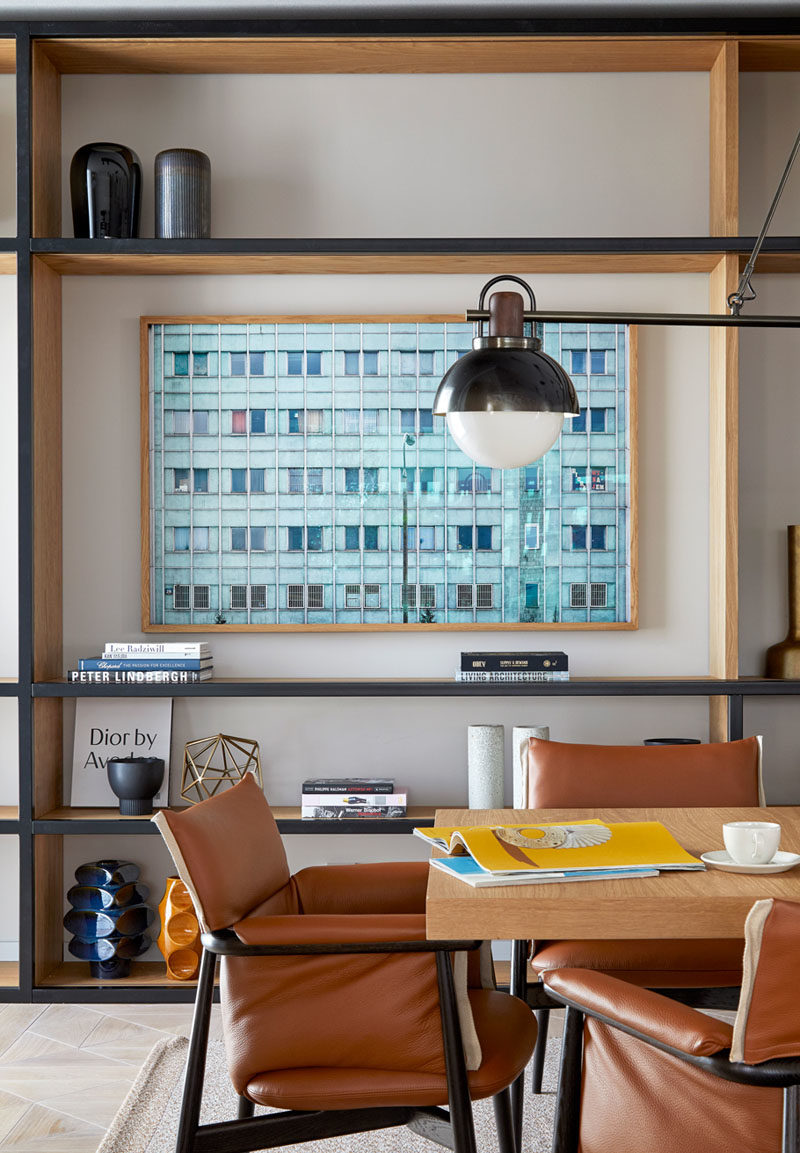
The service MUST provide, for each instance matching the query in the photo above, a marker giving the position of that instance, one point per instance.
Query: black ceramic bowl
(135, 780)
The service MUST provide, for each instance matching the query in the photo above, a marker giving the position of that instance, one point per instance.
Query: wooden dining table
(708, 903)
(702, 904)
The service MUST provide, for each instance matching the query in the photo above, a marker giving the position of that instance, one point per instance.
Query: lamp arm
(744, 290)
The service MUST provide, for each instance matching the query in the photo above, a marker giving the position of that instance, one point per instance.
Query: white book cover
(117, 728)
(157, 649)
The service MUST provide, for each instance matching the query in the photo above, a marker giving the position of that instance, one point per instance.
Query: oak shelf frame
(69, 981)
(401, 256)
(400, 46)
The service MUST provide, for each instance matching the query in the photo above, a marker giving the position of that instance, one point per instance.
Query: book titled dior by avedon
(117, 728)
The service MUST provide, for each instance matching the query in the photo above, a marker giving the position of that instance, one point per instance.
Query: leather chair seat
(653, 964)
(507, 1032)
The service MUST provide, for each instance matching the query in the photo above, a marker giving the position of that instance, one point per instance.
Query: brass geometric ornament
(212, 763)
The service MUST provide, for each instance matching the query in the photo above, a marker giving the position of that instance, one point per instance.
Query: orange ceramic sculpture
(179, 939)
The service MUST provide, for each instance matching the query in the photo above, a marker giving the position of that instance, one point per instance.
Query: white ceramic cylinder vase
(520, 735)
(485, 765)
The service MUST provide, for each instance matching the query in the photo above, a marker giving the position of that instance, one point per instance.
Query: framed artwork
(294, 477)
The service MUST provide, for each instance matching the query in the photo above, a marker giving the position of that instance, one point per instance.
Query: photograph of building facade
(297, 476)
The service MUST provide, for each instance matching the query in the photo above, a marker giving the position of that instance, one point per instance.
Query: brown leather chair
(336, 1009)
(592, 777)
(640, 1072)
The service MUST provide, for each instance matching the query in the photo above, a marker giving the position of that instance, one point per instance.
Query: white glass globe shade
(505, 439)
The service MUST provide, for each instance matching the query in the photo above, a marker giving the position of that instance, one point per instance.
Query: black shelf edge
(9, 828)
(580, 687)
(385, 20)
(78, 826)
(545, 245)
(9, 688)
(358, 825)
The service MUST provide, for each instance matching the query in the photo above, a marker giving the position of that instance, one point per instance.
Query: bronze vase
(783, 659)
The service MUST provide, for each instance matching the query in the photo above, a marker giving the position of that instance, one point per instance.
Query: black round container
(105, 182)
(672, 741)
(135, 780)
(183, 194)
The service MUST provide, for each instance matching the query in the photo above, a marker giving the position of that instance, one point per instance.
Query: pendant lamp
(505, 401)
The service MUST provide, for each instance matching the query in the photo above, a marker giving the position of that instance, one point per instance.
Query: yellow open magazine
(562, 847)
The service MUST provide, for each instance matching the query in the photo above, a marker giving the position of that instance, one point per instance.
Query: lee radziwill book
(139, 649)
(503, 850)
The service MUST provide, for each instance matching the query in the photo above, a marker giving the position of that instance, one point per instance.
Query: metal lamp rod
(697, 319)
(744, 289)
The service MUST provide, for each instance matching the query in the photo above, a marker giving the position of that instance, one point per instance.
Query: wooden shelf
(395, 54)
(8, 57)
(144, 974)
(69, 821)
(423, 256)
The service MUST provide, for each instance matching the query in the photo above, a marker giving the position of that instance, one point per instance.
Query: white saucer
(780, 863)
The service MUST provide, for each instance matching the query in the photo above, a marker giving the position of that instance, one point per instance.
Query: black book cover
(514, 662)
(348, 785)
(138, 677)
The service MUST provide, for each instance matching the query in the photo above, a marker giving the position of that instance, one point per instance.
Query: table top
(678, 904)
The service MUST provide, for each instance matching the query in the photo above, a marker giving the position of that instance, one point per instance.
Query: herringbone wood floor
(64, 1069)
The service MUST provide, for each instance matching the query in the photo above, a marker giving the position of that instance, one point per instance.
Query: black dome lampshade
(506, 400)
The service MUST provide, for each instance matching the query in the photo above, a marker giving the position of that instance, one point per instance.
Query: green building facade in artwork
(297, 476)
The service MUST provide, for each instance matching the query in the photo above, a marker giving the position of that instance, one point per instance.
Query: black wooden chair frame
(451, 1127)
(779, 1074)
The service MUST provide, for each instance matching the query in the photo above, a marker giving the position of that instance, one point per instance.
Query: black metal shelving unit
(65, 254)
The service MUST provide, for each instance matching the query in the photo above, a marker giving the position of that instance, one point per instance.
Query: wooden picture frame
(293, 478)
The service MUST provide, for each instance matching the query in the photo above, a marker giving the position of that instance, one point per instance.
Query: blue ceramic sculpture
(109, 918)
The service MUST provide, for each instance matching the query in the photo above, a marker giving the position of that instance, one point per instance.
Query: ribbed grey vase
(183, 194)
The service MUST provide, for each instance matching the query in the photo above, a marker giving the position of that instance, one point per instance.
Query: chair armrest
(384, 887)
(640, 1012)
(307, 935)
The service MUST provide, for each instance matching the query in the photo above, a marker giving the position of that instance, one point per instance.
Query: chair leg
(566, 1130)
(196, 1062)
(455, 1066)
(246, 1108)
(537, 1068)
(791, 1119)
(518, 986)
(504, 1122)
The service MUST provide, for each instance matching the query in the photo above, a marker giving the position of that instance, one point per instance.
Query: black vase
(671, 741)
(106, 186)
(135, 780)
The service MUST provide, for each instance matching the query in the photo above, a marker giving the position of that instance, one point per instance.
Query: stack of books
(351, 798)
(550, 666)
(145, 663)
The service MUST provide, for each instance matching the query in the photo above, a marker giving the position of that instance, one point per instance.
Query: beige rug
(147, 1121)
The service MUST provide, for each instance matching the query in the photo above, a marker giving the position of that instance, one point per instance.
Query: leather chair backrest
(767, 1022)
(642, 776)
(229, 854)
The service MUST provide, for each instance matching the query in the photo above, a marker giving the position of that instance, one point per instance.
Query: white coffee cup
(751, 842)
